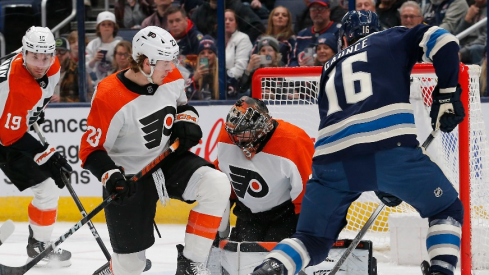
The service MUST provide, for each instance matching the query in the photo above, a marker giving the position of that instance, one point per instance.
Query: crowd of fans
(258, 33)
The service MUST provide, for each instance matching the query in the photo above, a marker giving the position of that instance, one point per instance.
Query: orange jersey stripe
(203, 225)
(42, 217)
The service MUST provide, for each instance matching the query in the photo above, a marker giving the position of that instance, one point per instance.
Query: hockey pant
(43, 209)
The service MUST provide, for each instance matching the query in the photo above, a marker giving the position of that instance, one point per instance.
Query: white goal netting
(464, 158)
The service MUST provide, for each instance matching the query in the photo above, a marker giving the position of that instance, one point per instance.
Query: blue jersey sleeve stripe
(442, 239)
(291, 252)
(388, 121)
(430, 44)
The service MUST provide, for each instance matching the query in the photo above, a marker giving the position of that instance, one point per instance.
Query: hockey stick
(78, 203)
(11, 54)
(8, 270)
(370, 220)
(6, 230)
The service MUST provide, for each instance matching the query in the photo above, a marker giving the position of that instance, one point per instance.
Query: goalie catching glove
(54, 164)
(186, 128)
(115, 182)
(388, 199)
(447, 110)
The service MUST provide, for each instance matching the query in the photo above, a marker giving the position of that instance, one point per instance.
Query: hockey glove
(54, 164)
(388, 199)
(40, 119)
(447, 110)
(115, 182)
(186, 128)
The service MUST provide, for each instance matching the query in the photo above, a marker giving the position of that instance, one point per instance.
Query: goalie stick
(371, 220)
(9, 270)
(6, 230)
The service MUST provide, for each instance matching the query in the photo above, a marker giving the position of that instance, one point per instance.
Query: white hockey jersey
(276, 174)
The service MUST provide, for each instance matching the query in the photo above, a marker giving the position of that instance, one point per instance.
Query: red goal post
(291, 94)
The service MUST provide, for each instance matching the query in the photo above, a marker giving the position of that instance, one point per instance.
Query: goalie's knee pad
(443, 240)
(128, 264)
(243, 257)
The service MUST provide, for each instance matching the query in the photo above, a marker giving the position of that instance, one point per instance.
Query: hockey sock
(292, 254)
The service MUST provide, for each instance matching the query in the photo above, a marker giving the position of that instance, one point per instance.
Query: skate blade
(46, 263)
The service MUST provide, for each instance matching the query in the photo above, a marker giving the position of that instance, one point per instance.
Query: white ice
(87, 255)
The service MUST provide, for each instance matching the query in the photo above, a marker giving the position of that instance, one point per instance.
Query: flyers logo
(156, 125)
(247, 181)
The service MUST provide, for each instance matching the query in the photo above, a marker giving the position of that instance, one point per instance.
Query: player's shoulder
(173, 76)
(111, 93)
(289, 132)
(285, 136)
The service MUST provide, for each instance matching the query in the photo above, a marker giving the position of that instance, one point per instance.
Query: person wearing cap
(307, 38)
(131, 13)
(280, 26)
(67, 88)
(101, 49)
(203, 84)
(268, 56)
(326, 48)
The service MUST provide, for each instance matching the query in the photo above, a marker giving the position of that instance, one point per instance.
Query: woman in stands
(203, 84)
(280, 27)
(101, 49)
(238, 49)
(121, 60)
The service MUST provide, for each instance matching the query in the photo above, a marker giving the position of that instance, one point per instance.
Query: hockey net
(291, 95)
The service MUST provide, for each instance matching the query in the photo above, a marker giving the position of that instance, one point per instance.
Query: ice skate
(270, 267)
(56, 258)
(188, 267)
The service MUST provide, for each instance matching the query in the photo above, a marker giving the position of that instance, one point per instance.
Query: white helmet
(38, 40)
(155, 43)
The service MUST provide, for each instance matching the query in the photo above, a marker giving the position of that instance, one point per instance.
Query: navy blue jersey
(364, 90)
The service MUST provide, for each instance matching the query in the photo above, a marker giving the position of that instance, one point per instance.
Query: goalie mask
(356, 25)
(247, 124)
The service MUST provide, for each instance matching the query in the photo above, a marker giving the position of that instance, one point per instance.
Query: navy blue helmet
(358, 24)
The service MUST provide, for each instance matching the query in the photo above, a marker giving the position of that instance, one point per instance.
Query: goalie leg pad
(43, 209)
(128, 264)
(443, 240)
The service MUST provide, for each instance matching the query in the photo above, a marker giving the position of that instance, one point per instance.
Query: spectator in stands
(268, 56)
(262, 8)
(238, 50)
(183, 30)
(73, 39)
(205, 18)
(446, 13)
(388, 13)
(365, 5)
(121, 60)
(158, 18)
(411, 15)
(303, 19)
(472, 46)
(131, 13)
(326, 48)
(280, 26)
(101, 49)
(307, 38)
(204, 83)
(67, 88)
(190, 6)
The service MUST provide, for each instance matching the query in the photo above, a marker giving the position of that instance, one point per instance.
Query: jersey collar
(148, 89)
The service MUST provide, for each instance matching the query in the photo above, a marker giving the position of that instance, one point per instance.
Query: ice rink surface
(87, 255)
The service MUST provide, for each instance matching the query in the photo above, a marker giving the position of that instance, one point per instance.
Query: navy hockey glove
(447, 110)
(388, 199)
(186, 128)
(54, 164)
(115, 182)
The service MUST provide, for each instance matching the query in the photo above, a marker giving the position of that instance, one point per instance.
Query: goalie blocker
(240, 258)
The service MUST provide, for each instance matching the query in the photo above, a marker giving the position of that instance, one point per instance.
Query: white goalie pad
(240, 258)
(360, 261)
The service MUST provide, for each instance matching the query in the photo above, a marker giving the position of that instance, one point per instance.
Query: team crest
(438, 192)
(152, 34)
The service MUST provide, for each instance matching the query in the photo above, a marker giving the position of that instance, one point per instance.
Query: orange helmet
(247, 124)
